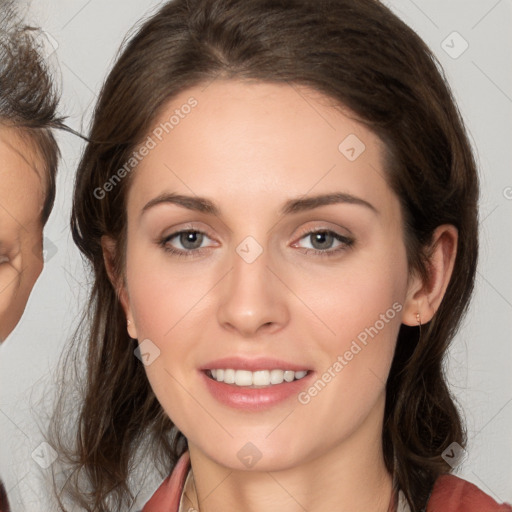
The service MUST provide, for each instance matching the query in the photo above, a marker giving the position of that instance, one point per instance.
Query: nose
(253, 297)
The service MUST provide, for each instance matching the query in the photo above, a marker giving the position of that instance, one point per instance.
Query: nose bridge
(252, 296)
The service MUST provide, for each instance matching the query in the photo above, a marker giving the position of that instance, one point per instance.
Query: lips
(256, 397)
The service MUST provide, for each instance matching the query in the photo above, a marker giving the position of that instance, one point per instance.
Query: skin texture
(21, 202)
(249, 147)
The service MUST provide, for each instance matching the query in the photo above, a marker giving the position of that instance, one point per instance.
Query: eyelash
(346, 244)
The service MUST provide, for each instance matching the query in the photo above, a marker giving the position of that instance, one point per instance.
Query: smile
(259, 378)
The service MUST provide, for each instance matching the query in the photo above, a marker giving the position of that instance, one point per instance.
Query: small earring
(418, 318)
(128, 322)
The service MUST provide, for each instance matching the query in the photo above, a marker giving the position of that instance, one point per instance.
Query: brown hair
(28, 96)
(356, 52)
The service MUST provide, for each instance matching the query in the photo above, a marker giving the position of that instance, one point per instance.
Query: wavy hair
(361, 55)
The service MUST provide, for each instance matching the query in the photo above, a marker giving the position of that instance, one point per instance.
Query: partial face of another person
(21, 201)
(276, 282)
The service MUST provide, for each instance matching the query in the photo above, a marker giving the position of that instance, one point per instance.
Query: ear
(424, 297)
(108, 245)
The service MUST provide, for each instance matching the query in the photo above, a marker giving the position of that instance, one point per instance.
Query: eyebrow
(292, 206)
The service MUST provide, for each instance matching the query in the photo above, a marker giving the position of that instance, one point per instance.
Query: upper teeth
(257, 378)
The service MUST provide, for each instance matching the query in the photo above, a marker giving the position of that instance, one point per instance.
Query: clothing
(450, 494)
(4, 504)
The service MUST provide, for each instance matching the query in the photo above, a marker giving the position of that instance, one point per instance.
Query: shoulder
(454, 494)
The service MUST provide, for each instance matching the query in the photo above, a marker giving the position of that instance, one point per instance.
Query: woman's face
(21, 201)
(251, 282)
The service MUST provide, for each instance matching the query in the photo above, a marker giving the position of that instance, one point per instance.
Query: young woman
(279, 207)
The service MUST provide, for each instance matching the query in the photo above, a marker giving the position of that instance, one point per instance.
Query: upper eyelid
(312, 230)
(186, 229)
(190, 226)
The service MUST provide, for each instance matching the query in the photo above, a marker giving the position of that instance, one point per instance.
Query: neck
(348, 477)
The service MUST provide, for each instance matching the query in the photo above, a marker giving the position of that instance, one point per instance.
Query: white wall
(88, 34)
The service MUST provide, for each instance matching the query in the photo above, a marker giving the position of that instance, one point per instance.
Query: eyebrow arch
(309, 203)
(204, 205)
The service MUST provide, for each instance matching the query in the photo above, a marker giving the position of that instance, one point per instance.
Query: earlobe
(132, 332)
(108, 246)
(425, 296)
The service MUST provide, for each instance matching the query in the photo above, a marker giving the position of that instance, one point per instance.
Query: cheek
(169, 304)
(357, 317)
(361, 295)
(161, 302)
(360, 305)
(163, 294)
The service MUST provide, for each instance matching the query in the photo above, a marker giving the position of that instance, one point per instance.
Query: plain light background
(86, 35)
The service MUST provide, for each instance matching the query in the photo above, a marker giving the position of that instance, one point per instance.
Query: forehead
(255, 142)
(18, 152)
(21, 184)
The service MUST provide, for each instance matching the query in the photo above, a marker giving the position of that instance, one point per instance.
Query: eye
(322, 241)
(189, 239)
